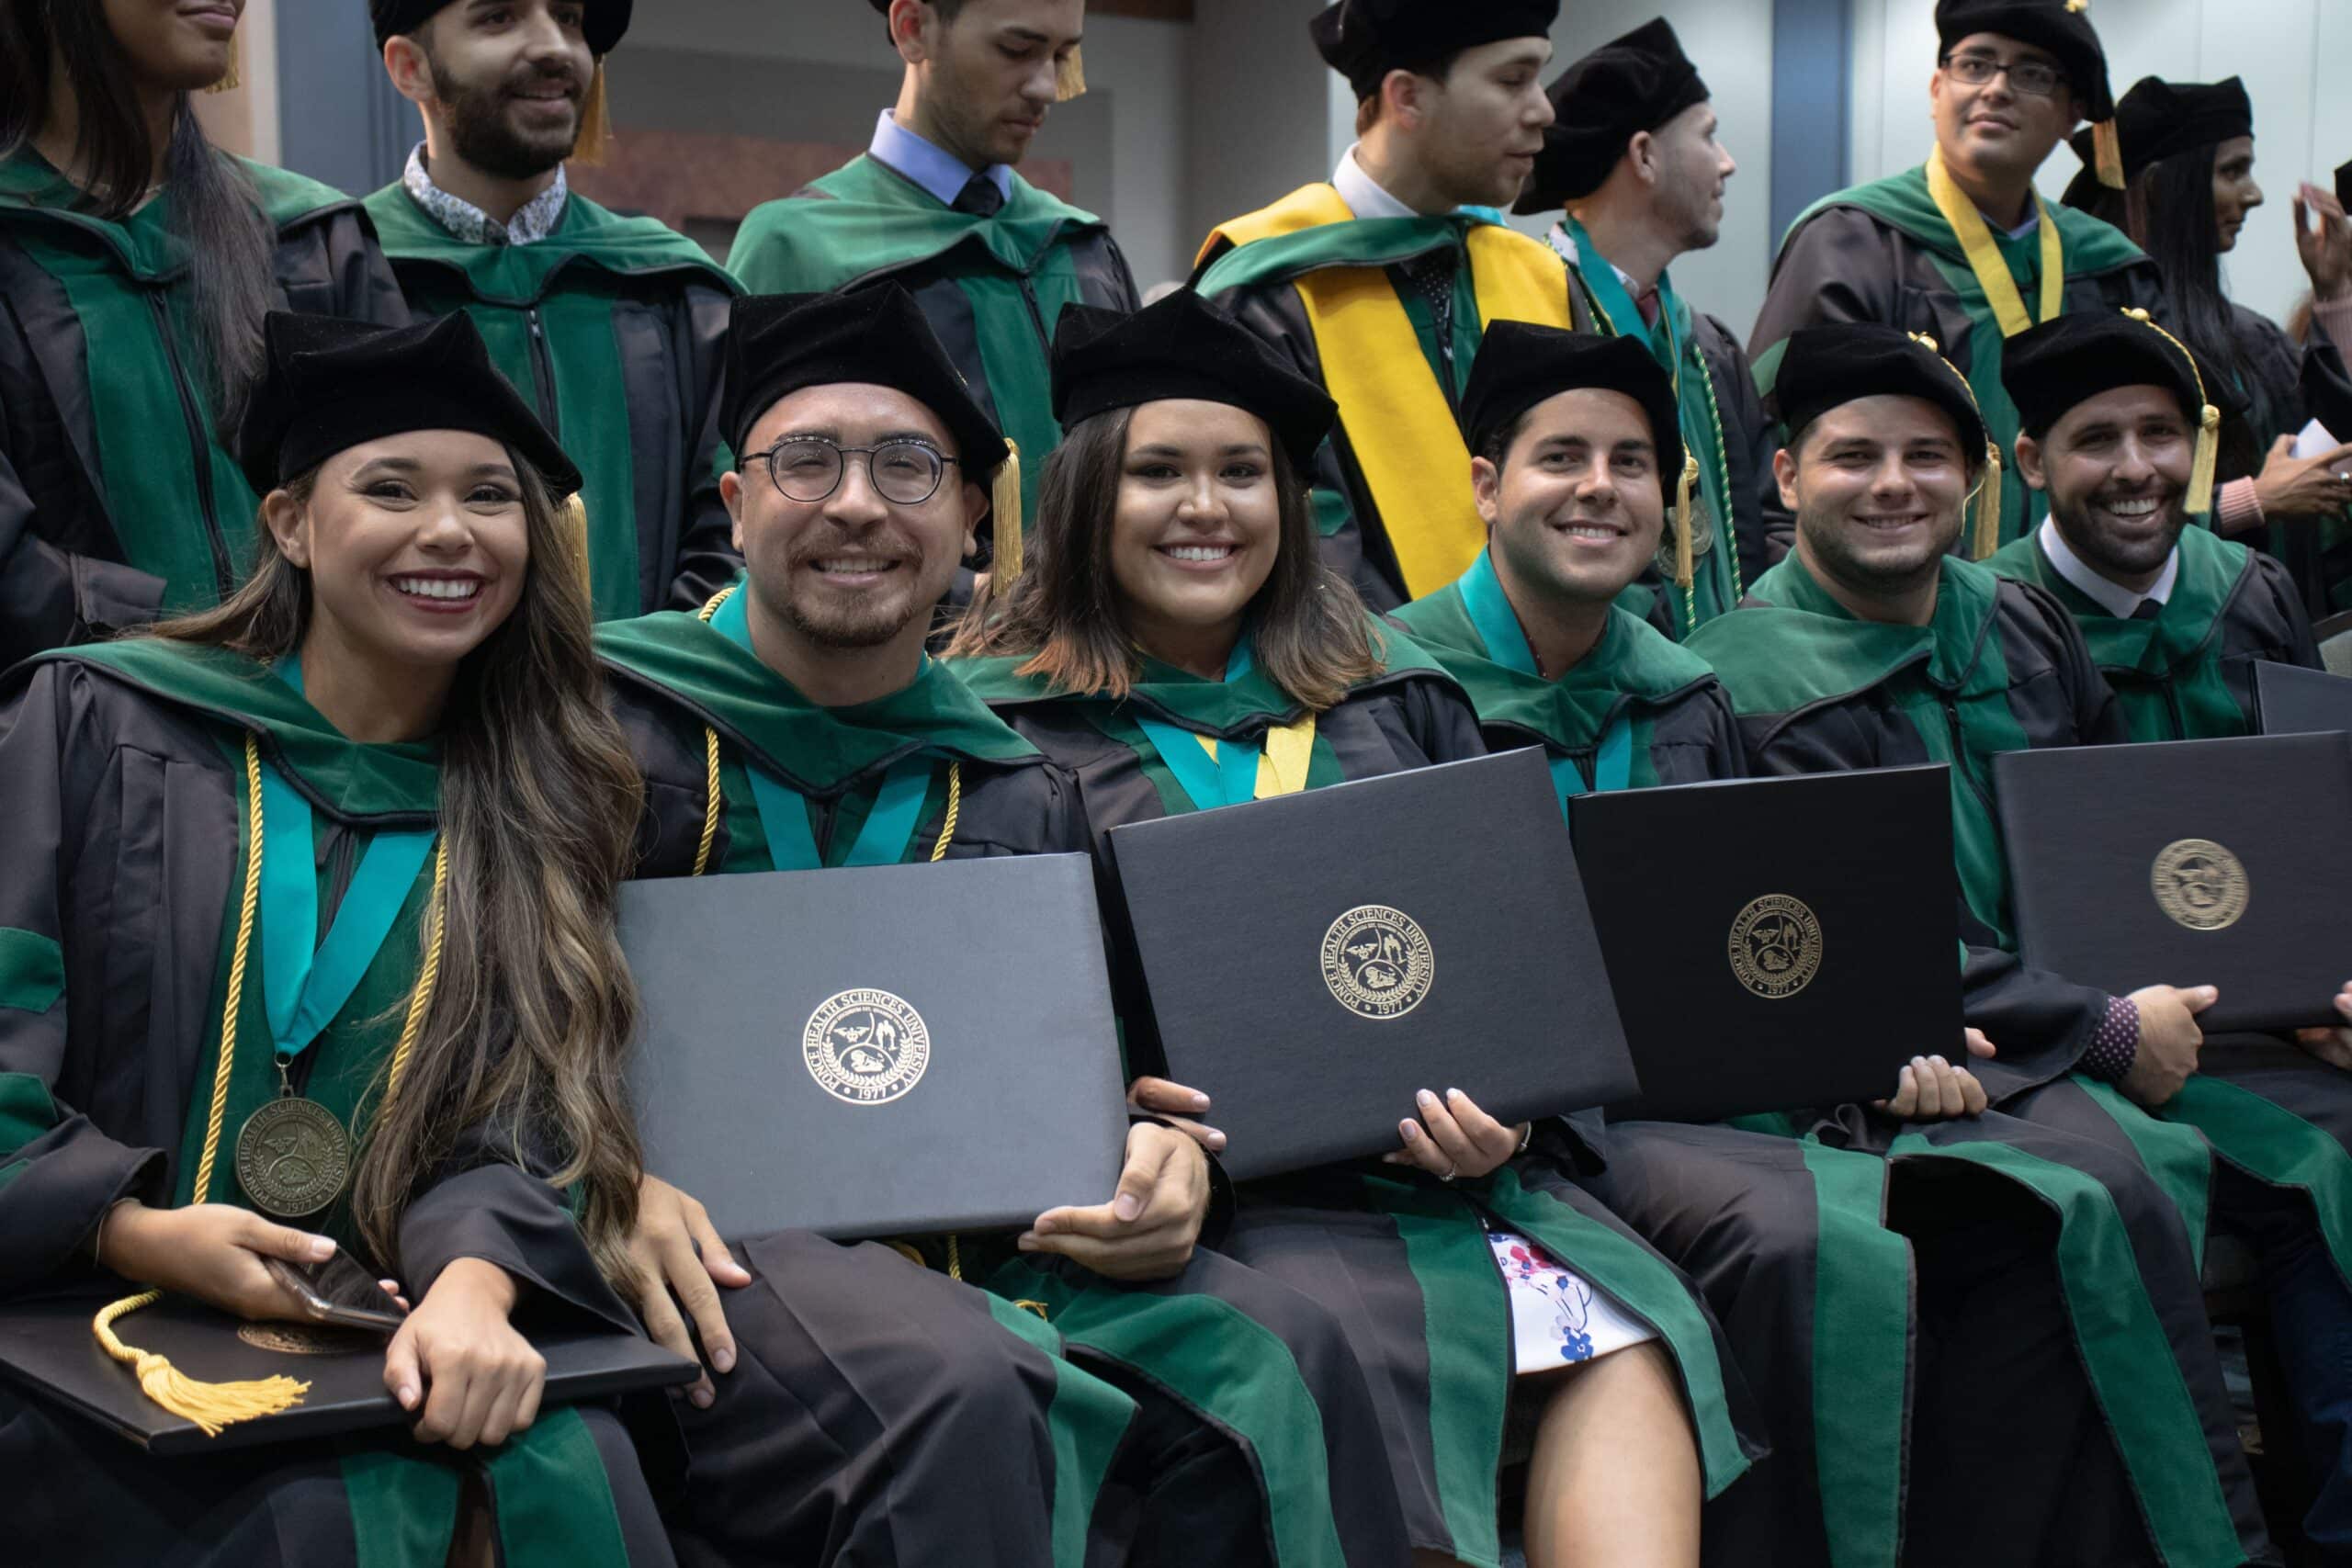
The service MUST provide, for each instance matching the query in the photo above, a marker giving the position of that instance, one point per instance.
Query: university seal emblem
(1377, 961)
(1776, 946)
(2200, 885)
(866, 1047)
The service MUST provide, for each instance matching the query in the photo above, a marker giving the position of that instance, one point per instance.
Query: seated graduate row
(1778, 1339)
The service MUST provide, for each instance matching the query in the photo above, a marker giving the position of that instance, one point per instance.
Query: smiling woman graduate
(342, 851)
(1179, 646)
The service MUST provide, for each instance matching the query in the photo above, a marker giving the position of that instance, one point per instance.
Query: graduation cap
(1365, 40)
(1826, 367)
(2061, 28)
(778, 344)
(2157, 119)
(328, 385)
(1182, 347)
(1070, 75)
(2050, 369)
(1521, 364)
(606, 21)
(1630, 85)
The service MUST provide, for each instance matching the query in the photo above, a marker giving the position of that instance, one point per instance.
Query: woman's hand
(2289, 486)
(1459, 1138)
(677, 1250)
(2332, 1045)
(210, 1251)
(1147, 1229)
(2323, 240)
(459, 1365)
(1931, 1090)
(1158, 1097)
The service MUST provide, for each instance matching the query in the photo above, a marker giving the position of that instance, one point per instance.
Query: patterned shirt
(2115, 1044)
(533, 221)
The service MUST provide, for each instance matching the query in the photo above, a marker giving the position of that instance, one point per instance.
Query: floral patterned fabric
(1556, 1319)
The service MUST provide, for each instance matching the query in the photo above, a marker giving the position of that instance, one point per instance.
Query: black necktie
(2148, 611)
(1432, 276)
(980, 198)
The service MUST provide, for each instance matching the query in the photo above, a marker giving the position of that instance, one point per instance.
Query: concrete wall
(2302, 118)
(1260, 101)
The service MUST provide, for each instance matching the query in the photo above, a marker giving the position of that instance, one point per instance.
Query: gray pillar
(1812, 106)
(339, 119)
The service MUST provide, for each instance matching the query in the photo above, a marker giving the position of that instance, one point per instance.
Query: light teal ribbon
(1228, 779)
(783, 811)
(305, 981)
(1609, 292)
(1497, 626)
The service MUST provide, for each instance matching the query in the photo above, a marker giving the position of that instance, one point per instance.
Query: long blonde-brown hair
(534, 1010)
(1310, 632)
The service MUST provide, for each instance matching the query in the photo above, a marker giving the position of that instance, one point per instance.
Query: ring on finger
(1451, 1172)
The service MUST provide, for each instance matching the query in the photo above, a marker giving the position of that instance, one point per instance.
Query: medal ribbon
(1215, 773)
(1985, 257)
(305, 981)
(783, 811)
(1497, 626)
(1608, 291)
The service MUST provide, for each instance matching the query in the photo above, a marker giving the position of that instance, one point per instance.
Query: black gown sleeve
(2039, 1023)
(1441, 722)
(1835, 268)
(59, 1174)
(707, 558)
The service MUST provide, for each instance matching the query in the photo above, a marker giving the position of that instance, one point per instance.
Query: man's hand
(677, 1251)
(2333, 1046)
(1147, 1229)
(2289, 486)
(1931, 1090)
(2169, 1041)
(1459, 1140)
(459, 1365)
(1180, 1105)
(2323, 240)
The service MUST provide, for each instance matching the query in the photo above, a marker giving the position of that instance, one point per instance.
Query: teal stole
(1498, 624)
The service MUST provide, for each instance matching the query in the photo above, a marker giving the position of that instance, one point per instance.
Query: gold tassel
(595, 143)
(575, 537)
(2106, 154)
(1005, 502)
(1069, 76)
(211, 1405)
(1685, 570)
(1988, 506)
(234, 77)
(2209, 449)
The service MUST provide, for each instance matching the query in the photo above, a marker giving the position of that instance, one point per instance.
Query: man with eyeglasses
(611, 326)
(936, 205)
(1962, 248)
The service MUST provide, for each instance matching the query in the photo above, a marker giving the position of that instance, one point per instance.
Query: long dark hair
(214, 213)
(533, 1010)
(1310, 633)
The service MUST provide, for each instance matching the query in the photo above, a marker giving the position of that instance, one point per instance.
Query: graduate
(1177, 602)
(297, 862)
(1962, 248)
(804, 690)
(612, 326)
(938, 204)
(1870, 647)
(137, 262)
(1900, 1318)
(1632, 155)
(2110, 426)
(2190, 186)
(1375, 284)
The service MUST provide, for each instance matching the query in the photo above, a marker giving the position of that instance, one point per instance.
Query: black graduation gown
(108, 440)
(121, 777)
(2287, 388)
(1401, 1259)
(1251, 1416)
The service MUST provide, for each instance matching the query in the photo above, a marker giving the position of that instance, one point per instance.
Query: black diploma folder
(893, 1050)
(2188, 863)
(1313, 959)
(1776, 943)
(46, 1345)
(2292, 700)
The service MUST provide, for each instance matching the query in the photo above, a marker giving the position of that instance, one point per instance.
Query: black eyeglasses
(809, 469)
(2034, 78)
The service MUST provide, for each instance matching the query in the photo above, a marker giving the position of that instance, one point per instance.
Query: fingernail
(1128, 1206)
(1216, 1140)
(408, 1396)
(1410, 1129)
(1425, 1098)
(1939, 1061)
(1043, 1227)
(1026, 1241)
(322, 1248)
(701, 1397)
(1919, 1061)
(1453, 1094)
(1199, 1103)
(723, 1359)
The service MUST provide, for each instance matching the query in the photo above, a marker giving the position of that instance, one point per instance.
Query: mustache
(544, 75)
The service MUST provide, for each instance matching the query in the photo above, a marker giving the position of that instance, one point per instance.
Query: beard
(481, 133)
(849, 626)
(1842, 549)
(2113, 555)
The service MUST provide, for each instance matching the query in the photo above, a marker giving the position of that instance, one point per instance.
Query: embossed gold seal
(866, 1047)
(1776, 946)
(1377, 961)
(301, 1339)
(2200, 885)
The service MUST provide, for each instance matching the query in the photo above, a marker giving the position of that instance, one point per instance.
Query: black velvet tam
(2074, 357)
(1827, 366)
(1521, 364)
(607, 20)
(1365, 40)
(2059, 27)
(1630, 85)
(2159, 120)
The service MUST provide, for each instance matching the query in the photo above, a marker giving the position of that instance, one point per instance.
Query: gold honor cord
(1986, 534)
(213, 1405)
(1985, 257)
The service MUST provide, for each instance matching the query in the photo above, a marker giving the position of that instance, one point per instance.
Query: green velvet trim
(403, 1508)
(33, 970)
(27, 1111)
(553, 1499)
(1861, 1357)
(1086, 1422)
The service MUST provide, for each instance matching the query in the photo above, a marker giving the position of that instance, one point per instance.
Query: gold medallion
(866, 1047)
(2200, 885)
(300, 1339)
(1377, 961)
(1776, 946)
(293, 1157)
